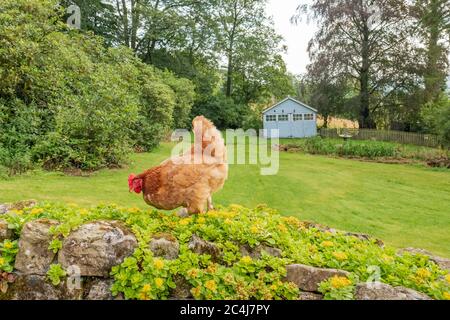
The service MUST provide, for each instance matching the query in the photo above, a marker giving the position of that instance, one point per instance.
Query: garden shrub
(67, 101)
(436, 118)
(184, 91)
(222, 111)
(19, 129)
(155, 117)
(144, 276)
(369, 149)
(361, 149)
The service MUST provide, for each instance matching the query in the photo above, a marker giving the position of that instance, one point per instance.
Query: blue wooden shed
(292, 118)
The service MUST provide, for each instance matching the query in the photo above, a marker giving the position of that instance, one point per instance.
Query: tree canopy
(387, 59)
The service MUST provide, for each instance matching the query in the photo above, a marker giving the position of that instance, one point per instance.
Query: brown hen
(188, 180)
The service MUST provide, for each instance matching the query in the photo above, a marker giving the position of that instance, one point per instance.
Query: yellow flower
(293, 222)
(171, 224)
(423, 273)
(212, 268)
(193, 273)
(159, 282)
(447, 277)
(201, 220)
(224, 215)
(387, 258)
(196, 291)
(447, 295)
(246, 260)
(8, 245)
(18, 212)
(36, 211)
(211, 285)
(274, 287)
(236, 207)
(159, 264)
(340, 282)
(267, 296)
(146, 288)
(143, 296)
(83, 212)
(254, 229)
(282, 228)
(228, 221)
(327, 244)
(341, 256)
(2, 261)
(229, 215)
(134, 210)
(212, 214)
(185, 222)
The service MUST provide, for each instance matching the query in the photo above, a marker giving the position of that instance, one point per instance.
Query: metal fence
(419, 139)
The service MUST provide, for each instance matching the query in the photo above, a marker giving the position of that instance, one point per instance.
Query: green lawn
(404, 205)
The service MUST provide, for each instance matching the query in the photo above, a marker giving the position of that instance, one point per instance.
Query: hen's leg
(196, 208)
(210, 204)
(183, 213)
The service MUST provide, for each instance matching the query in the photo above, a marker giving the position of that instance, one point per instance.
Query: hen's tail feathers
(208, 140)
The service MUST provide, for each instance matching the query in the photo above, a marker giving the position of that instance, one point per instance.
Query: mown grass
(405, 205)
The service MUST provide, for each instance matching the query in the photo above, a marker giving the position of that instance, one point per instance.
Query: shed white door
(298, 130)
(285, 125)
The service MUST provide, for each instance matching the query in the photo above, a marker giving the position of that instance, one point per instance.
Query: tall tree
(238, 19)
(97, 16)
(364, 41)
(192, 38)
(147, 24)
(259, 72)
(328, 97)
(433, 18)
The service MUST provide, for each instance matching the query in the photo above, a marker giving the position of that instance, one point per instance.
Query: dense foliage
(369, 149)
(144, 276)
(225, 47)
(381, 62)
(436, 118)
(66, 100)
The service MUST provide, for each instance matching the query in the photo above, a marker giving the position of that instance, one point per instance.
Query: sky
(296, 36)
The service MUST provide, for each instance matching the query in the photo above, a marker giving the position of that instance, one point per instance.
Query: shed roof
(292, 99)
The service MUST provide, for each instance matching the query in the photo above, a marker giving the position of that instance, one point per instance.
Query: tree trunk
(434, 78)
(325, 121)
(150, 51)
(365, 119)
(126, 34)
(134, 23)
(230, 52)
(229, 74)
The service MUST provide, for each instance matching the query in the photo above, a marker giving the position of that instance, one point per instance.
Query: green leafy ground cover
(144, 276)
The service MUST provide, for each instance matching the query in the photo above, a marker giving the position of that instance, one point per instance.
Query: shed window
(309, 116)
(271, 118)
(298, 117)
(283, 117)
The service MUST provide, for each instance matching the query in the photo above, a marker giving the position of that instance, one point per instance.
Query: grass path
(404, 205)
